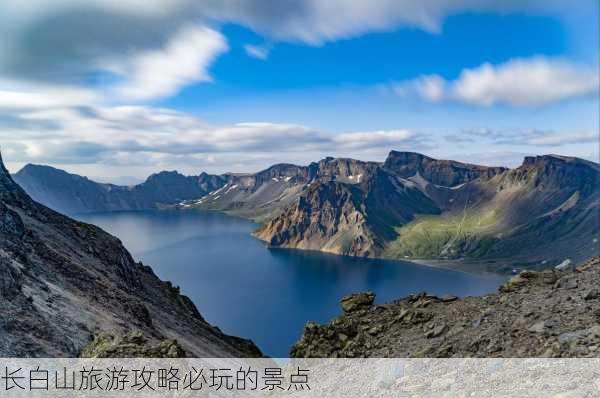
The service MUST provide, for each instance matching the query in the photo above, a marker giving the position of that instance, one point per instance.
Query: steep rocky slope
(349, 219)
(553, 313)
(63, 281)
(547, 209)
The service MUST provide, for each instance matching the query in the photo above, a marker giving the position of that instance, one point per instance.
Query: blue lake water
(266, 295)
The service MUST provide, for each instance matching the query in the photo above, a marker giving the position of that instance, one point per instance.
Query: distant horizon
(138, 180)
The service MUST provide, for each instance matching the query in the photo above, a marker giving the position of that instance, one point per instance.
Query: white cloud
(259, 52)
(316, 21)
(519, 82)
(525, 82)
(430, 87)
(67, 40)
(135, 136)
(26, 95)
(370, 139)
(184, 60)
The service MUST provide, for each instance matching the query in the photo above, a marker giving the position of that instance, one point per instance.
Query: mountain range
(410, 206)
(68, 288)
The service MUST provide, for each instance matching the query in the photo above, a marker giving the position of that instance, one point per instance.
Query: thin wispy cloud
(529, 137)
(258, 51)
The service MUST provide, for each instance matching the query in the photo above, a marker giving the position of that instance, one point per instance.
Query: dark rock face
(63, 281)
(535, 314)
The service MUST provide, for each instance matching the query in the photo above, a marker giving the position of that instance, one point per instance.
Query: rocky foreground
(552, 313)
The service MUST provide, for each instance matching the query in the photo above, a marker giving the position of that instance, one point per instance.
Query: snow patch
(231, 188)
(357, 177)
(419, 180)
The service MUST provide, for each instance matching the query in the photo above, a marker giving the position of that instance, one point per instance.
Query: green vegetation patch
(445, 236)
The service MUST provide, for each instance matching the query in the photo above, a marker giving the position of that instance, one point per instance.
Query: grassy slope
(445, 236)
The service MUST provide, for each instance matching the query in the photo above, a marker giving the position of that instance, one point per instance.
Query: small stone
(566, 283)
(356, 301)
(569, 337)
(425, 303)
(375, 330)
(447, 298)
(593, 332)
(403, 313)
(565, 265)
(437, 331)
(592, 294)
(514, 283)
(538, 327)
(342, 337)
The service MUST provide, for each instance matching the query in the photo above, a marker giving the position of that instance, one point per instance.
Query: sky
(118, 90)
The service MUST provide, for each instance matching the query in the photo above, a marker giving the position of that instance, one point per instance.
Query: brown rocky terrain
(62, 282)
(551, 313)
(419, 208)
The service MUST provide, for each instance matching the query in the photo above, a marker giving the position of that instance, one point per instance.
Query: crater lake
(266, 295)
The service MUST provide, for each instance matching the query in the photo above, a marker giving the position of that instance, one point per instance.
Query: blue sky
(111, 90)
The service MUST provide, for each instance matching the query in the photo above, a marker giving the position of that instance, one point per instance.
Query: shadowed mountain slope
(63, 281)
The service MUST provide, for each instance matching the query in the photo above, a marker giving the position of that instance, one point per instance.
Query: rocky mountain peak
(439, 172)
(557, 161)
(165, 175)
(559, 171)
(401, 157)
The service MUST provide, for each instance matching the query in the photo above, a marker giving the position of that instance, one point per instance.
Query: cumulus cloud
(519, 82)
(525, 82)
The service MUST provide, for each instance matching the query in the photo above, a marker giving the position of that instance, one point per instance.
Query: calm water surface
(266, 295)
